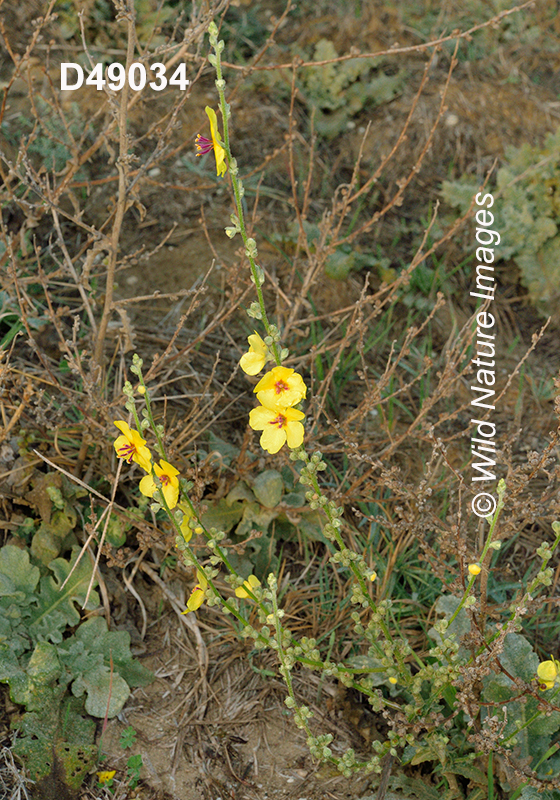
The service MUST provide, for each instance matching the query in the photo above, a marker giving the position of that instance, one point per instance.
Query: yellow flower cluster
(132, 447)
(197, 595)
(277, 392)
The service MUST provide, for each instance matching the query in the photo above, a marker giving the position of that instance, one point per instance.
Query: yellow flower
(197, 595)
(373, 577)
(106, 777)
(279, 425)
(205, 145)
(281, 386)
(547, 672)
(253, 361)
(393, 680)
(186, 529)
(132, 447)
(251, 583)
(474, 569)
(170, 483)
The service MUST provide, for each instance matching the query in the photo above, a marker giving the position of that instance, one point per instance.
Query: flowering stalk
(317, 499)
(262, 418)
(285, 666)
(148, 421)
(488, 545)
(279, 392)
(238, 221)
(159, 495)
(543, 577)
(246, 588)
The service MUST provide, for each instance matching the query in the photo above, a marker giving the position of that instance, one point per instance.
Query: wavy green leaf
(57, 606)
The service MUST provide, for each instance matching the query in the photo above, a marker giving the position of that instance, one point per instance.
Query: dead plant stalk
(123, 162)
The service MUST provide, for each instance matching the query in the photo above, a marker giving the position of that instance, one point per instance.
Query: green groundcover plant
(528, 215)
(61, 670)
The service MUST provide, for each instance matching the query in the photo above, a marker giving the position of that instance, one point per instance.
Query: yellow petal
(195, 600)
(252, 363)
(294, 434)
(251, 583)
(121, 441)
(213, 123)
(260, 417)
(221, 166)
(197, 595)
(147, 486)
(105, 777)
(185, 527)
(123, 427)
(171, 494)
(219, 152)
(256, 344)
(547, 672)
(143, 458)
(272, 439)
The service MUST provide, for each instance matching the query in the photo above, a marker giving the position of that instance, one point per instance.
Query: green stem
(493, 524)
(149, 413)
(285, 669)
(528, 594)
(232, 169)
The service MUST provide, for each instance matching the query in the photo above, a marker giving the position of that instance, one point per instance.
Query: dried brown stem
(122, 167)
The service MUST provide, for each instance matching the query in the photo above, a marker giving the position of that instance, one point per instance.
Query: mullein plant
(277, 417)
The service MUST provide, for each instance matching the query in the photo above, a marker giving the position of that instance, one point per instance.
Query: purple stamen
(204, 145)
